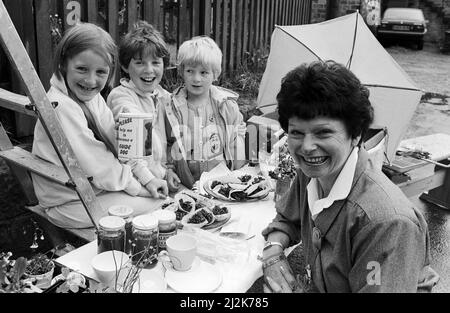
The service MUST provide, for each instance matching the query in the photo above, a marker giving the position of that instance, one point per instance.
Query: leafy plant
(39, 264)
(12, 275)
(285, 168)
(247, 77)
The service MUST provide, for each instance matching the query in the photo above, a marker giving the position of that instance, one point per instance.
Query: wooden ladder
(37, 104)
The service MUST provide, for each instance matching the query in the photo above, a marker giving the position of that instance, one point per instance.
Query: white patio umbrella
(349, 41)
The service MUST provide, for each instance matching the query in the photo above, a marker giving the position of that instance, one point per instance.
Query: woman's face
(86, 74)
(146, 72)
(320, 146)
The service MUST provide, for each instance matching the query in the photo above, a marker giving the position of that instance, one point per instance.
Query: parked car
(403, 24)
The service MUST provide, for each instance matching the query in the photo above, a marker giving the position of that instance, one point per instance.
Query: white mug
(182, 250)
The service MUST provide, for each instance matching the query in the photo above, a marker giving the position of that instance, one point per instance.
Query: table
(437, 185)
(237, 277)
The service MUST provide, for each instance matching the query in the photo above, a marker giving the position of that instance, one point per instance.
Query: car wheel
(420, 44)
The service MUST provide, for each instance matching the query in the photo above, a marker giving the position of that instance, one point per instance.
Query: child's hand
(157, 188)
(144, 192)
(172, 180)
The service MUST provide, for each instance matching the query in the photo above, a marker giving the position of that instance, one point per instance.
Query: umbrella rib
(349, 63)
(392, 87)
(299, 42)
(267, 105)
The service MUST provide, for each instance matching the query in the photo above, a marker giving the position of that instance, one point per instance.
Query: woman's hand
(157, 188)
(173, 181)
(279, 276)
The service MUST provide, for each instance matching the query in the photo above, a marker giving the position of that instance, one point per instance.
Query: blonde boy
(203, 124)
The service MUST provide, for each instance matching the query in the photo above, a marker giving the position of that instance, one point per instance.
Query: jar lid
(165, 216)
(112, 222)
(121, 210)
(146, 221)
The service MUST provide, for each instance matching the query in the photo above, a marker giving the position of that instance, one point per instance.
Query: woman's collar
(340, 189)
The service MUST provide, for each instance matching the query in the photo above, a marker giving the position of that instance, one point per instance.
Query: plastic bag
(212, 247)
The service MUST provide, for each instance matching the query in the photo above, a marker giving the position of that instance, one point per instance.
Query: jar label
(162, 237)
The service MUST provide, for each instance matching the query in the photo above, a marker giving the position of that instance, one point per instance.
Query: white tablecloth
(237, 276)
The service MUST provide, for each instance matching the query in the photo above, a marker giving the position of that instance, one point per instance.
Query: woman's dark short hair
(325, 88)
(142, 40)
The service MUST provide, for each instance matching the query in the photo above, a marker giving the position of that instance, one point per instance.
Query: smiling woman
(359, 232)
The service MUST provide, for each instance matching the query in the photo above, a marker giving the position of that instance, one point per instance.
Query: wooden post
(246, 36)
(252, 23)
(183, 28)
(44, 42)
(92, 11)
(132, 13)
(207, 18)
(152, 9)
(239, 33)
(195, 22)
(35, 91)
(231, 61)
(224, 34)
(113, 29)
(218, 32)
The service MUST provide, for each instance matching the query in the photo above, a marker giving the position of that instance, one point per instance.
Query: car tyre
(420, 44)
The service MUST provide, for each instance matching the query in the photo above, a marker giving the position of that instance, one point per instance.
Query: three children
(193, 130)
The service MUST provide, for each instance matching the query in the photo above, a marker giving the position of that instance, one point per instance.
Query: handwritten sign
(134, 135)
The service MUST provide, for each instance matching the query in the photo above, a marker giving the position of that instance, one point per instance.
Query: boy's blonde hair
(200, 50)
(81, 37)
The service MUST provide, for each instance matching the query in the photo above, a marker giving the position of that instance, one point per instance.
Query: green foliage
(12, 275)
(246, 78)
(285, 168)
(39, 264)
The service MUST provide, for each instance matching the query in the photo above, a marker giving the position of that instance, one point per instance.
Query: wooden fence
(240, 27)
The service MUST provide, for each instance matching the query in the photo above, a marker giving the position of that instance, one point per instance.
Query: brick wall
(349, 6)
(319, 11)
(446, 13)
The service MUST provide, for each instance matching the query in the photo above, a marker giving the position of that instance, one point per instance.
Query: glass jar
(126, 213)
(167, 225)
(111, 234)
(144, 249)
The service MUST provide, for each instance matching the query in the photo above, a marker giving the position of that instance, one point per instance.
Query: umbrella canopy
(349, 41)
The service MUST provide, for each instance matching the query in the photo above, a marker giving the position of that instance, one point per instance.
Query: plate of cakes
(238, 187)
(194, 210)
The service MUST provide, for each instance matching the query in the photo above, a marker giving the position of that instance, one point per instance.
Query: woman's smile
(315, 161)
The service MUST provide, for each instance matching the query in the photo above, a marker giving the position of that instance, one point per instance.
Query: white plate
(203, 277)
(150, 282)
